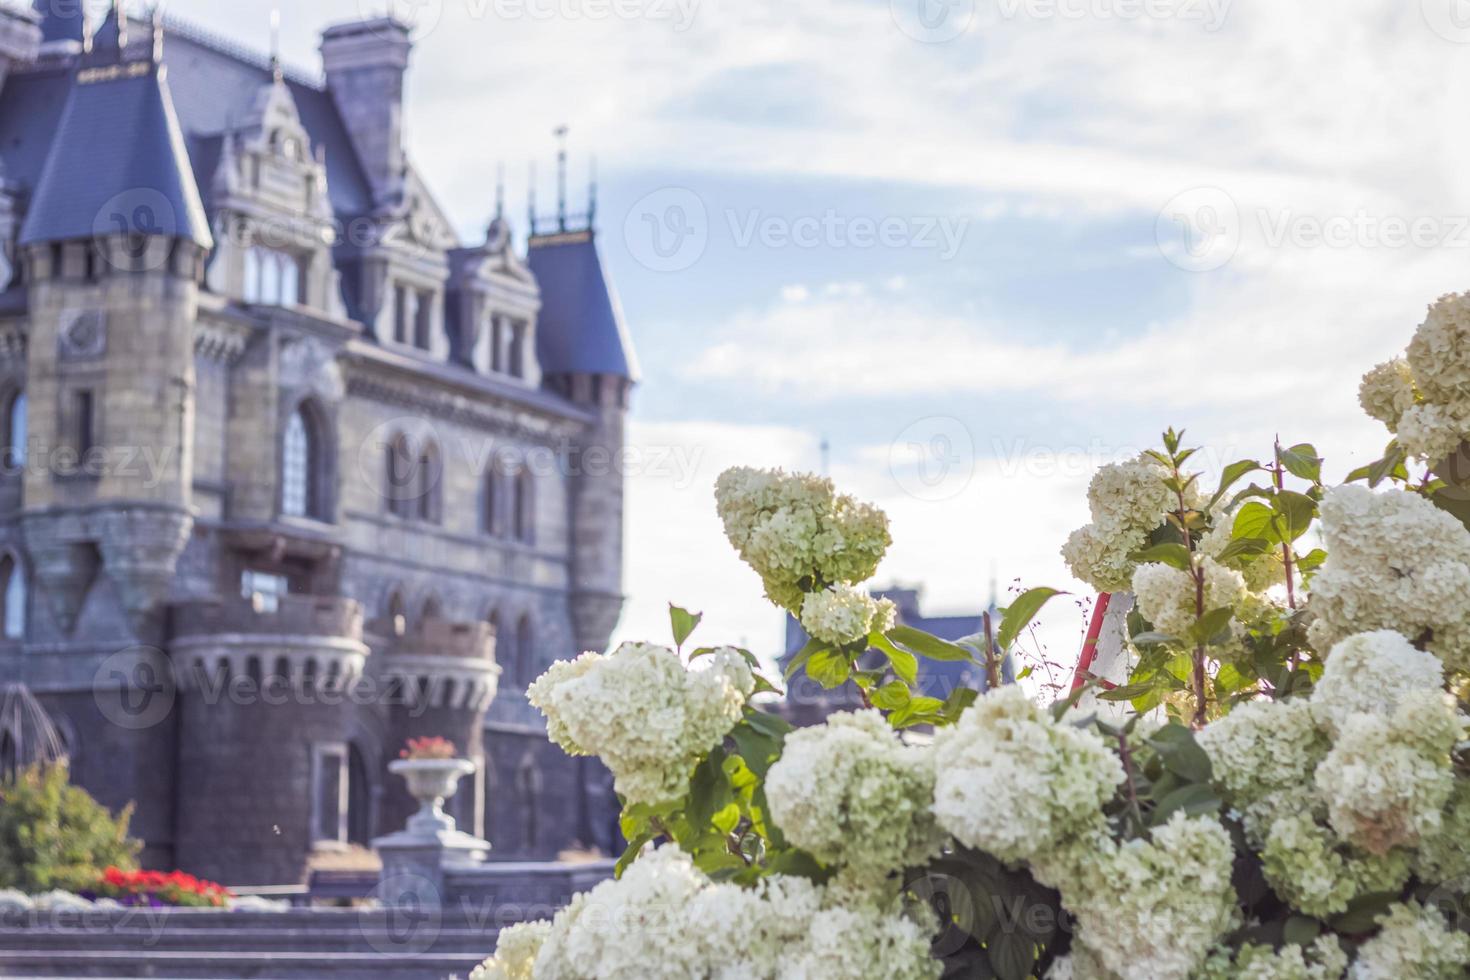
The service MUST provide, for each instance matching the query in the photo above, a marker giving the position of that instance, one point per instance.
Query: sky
(978, 247)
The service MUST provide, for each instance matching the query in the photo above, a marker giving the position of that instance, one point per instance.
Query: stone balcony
(308, 640)
(439, 664)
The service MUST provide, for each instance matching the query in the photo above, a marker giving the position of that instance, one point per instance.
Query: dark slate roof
(118, 148)
(61, 20)
(580, 329)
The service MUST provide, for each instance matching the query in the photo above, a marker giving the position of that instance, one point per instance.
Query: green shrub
(54, 835)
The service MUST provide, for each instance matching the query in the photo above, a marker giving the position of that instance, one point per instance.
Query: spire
(500, 192)
(826, 449)
(561, 177)
(531, 193)
(158, 32)
(276, 71)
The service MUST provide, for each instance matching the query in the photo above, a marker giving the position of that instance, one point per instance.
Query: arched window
(9, 756)
(525, 652)
(523, 509)
(433, 609)
(359, 797)
(399, 479)
(429, 500)
(298, 461)
(13, 578)
(490, 504)
(397, 614)
(16, 428)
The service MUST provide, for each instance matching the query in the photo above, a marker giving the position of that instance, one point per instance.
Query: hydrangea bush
(1286, 797)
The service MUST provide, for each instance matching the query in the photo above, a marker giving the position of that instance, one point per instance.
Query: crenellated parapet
(305, 642)
(440, 665)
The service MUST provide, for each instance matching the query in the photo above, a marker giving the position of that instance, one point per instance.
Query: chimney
(365, 62)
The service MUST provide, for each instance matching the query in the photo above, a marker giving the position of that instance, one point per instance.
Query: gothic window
(523, 507)
(84, 416)
(433, 610)
(272, 277)
(400, 315)
(13, 579)
(400, 478)
(490, 503)
(397, 614)
(525, 652)
(329, 798)
(518, 350)
(423, 321)
(15, 427)
(298, 466)
(497, 345)
(430, 500)
(528, 798)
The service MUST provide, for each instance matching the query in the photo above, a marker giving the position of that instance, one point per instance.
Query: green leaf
(829, 668)
(1155, 638)
(1392, 464)
(904, 664)
(930, 647)
(1183, 756)
(959, 699)
(1297, 511)
(1212, 624)
(684, 623)
(709, 791)
(1300, 930)
(1243, 548)
(1012, 954)
(1020, 613)
(1173, 555)
(1302, 461)
(1194, 800)
(630, 853)
(800, 660)
(1231, 476)
(1256, 520)
(892, 696)
(1312, 561)
(1363, 912)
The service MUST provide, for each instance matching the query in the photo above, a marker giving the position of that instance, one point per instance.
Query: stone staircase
(302, 944)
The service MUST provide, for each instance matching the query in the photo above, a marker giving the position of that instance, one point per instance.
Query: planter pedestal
(416, 858)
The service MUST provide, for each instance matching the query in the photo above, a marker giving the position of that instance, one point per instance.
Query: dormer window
(272, 277)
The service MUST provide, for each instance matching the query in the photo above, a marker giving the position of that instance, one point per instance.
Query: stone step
(446, 941)
(232, 966)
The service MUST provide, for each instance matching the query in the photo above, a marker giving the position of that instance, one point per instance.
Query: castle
(293, 473)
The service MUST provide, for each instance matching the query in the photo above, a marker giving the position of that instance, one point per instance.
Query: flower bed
(157, 889)
(1287, 798)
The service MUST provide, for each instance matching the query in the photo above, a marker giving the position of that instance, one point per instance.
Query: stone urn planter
(431, 782)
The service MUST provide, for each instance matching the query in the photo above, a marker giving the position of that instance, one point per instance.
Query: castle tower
(115, 247)
(586, 356)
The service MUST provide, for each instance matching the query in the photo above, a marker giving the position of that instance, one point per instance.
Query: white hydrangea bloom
(1264, 754)
(1372, 673)
(647, 716)
(516, 949)
(1323, 960)
(843, 614)
(1395, 561)
(1014, 783)
(795, 529)
(1167, 595)
(665, 920)
(1434, 432)
(851, 793)
(1445, 854)
(1307, 865)
(1439, 354)
(1388, 392)
(1103, 558)
(1388, 778)
(1416, 942)
(1154, 908)
(1128, 501)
